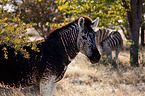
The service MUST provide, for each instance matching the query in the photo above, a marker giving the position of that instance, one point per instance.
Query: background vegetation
(45, 15)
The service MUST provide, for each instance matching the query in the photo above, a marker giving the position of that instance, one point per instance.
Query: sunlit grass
(84, 79)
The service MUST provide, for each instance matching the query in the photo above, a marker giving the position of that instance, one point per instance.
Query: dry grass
(84, 79)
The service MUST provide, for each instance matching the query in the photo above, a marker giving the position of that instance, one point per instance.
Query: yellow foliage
(5, 0)
(5, 18)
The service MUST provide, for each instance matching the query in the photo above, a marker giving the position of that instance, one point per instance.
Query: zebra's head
(86, 41)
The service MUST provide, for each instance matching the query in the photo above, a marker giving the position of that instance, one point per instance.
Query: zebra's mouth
(95, 56)
(95, 59)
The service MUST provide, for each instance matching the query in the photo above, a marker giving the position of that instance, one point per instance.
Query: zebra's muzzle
(95, 57)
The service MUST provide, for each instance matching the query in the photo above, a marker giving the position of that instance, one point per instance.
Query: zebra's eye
(84, 37)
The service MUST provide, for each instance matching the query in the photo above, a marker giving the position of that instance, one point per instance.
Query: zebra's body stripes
(48, 66)
(109, 41)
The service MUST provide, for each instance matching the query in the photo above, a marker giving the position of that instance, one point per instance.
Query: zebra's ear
(95, 22)
(81, 22)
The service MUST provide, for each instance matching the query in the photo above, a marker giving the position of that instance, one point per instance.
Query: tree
(44, 13)
(134, 19)
(143, 28)
(12, 29)
(109, 11)
(142, 34)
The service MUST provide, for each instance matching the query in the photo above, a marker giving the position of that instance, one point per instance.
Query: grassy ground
(84, 79)
(104, 79)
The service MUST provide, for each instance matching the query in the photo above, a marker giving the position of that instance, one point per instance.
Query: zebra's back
(114, 40)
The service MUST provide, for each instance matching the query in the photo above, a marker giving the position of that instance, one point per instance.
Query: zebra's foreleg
(47, 86)
(107, 50)
(116, 54)
(53, 88)
(109, 53)
(110, 56)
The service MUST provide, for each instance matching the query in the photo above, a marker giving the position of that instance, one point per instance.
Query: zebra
(47, 66)
(109, 41)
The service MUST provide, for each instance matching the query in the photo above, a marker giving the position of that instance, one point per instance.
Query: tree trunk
(135, 44)
(142, 35)
(135, 22)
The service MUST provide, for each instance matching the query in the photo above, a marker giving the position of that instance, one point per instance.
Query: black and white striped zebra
(109, 41)
(48, 66)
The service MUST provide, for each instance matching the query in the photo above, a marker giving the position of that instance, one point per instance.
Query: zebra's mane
(88, 22)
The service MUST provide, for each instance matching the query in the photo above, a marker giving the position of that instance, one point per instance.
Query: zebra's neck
(69, 41)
